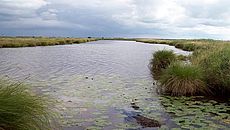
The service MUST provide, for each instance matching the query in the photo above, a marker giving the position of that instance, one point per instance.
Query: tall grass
(161, 60)
(13, 42)
(22, 110)
(210, 56)
(216, 66)
(181, 79)
(184, 44)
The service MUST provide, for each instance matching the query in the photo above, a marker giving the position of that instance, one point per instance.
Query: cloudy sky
(117, 18)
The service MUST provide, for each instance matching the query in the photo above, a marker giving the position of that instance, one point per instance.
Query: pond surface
(107, 85)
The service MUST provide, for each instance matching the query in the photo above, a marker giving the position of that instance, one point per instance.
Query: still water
(99, 85)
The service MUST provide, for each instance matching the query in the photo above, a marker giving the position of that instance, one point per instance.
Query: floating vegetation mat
(96, 102)
(105, 102)
(197, 112)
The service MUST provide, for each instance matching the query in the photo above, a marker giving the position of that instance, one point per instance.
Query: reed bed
(14, 42)
(21, 109)
(210, 59)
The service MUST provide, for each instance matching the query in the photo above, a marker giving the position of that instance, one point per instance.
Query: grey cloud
(21, 8)
(164, 18)
(25, 14)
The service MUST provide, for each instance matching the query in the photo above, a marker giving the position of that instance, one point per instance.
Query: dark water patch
(147, 122)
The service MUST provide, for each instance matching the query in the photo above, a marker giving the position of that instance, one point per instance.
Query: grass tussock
(14, 42)
(216, 67)
(22, 110)
(181, 79)
(160, 61)
(182, 57)
(212, 57)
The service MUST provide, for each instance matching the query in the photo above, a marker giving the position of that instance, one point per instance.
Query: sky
(116, 18)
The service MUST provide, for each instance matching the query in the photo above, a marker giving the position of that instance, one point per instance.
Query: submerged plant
(161, 60)
(181, 79)
(22, 110)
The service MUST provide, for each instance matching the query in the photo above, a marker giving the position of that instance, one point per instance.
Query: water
(100, 85)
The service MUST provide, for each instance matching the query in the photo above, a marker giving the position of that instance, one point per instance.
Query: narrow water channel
(100, 85)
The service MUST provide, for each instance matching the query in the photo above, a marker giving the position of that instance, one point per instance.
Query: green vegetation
(161, 60)
(182, 58)
(13, 42)
(216, 67)
(197, 112)
(22, 110)
(210, 58)
(181, 79)
(187, 45)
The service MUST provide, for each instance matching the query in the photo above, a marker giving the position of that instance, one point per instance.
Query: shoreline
(184, 44)
(18, 42)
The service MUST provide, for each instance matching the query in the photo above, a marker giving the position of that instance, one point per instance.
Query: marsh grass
(182, 57)
(22, 110)
(185, 44)
(211, 56)
(181, 79)
(216, 66)
(14, 42)
(161, 60)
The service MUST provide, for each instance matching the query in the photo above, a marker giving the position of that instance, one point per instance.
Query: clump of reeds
(182, 57)
(181, 79)
(216, 66)
(22, 110)
(161, 60)
(211, 58)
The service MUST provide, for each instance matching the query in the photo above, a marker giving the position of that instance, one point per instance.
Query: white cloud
(198, 2)
(152, 13)
(25, 4)
(30, 14)
(181, 17)
(50, 14)
(20, 8)
(225, 31)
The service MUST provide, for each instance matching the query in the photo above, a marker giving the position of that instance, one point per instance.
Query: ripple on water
(117, 89)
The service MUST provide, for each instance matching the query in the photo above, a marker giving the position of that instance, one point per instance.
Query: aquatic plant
(197, 112)
(161, 60)
(22, 110)
(181, 79)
